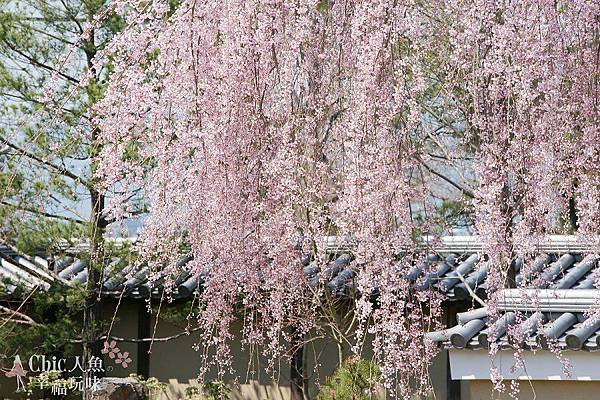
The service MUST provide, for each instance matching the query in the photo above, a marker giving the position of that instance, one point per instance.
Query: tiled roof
(455, 275)
(567, 330)
(19, 270)
(555, 311)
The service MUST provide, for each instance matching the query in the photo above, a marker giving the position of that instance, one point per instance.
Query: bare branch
(39, 63)
(143, 340)
(17, 313)
(467, 192)
(57, 168)
(39, 212)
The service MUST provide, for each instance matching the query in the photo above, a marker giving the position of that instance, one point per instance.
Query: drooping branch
(40, 64)
(15, 317)
(40, 212)
(152, 339)
(467, 192)
(61, 170)
(23, 317)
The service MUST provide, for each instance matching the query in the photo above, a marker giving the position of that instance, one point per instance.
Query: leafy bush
(355, 379)
(152, 386)
(215, 390)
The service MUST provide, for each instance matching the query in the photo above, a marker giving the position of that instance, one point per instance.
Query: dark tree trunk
(297, 380)
(143, 348)
(573, 220)
(509, 212)
(92, 313)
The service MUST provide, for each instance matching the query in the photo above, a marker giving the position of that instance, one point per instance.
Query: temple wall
(530, 390)
(177, 363)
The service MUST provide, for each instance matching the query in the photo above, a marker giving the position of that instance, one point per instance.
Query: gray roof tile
(454, 275)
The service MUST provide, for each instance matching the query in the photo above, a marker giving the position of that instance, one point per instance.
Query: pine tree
(49, 198)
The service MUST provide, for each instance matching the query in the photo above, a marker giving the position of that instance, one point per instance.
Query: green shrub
(215, 390)
(152, 386)
(355, 379)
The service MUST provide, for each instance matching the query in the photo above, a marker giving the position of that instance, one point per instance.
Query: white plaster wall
(535, 390)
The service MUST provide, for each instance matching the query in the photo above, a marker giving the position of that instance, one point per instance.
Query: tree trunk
(143, 348)
(573, 220)
(297, 381)
(509, 212)
(92, 314)
(92, 317)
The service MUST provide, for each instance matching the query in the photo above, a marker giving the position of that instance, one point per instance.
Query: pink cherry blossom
(123, 359)
(256, 128)
(111, 349)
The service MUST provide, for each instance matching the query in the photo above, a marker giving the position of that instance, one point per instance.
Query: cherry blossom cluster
(256, 128)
